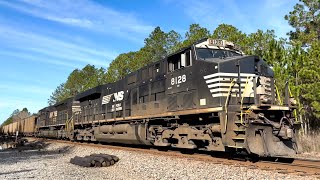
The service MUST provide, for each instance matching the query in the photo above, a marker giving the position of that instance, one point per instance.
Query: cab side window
(179, 60)
(188, 58)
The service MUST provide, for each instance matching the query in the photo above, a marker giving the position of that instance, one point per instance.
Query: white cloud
(248, 16)
(29, 57)
(210, 14)
(21, 77)
(200, 11)
(22, 89)
(13, 34)
(43, 48)
(84, 14)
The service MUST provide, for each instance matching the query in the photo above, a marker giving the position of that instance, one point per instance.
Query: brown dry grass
(310, 144)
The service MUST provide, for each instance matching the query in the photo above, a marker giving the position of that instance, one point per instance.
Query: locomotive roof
(212, 43)
(93, 91)
(64, 101)
(49, 108)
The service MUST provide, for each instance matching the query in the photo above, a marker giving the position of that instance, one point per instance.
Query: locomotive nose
(252, 77)
(246, 64)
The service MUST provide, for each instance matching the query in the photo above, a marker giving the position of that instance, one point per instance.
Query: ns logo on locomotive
(208, 96)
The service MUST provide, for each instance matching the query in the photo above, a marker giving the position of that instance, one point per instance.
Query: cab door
(179, 80)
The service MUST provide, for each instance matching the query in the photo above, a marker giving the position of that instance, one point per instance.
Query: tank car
(208, 96)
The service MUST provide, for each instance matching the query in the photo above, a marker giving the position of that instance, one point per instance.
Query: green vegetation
(296, 60)
(16, 115)
(78, 81)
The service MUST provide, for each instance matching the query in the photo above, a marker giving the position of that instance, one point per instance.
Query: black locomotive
(208, 96)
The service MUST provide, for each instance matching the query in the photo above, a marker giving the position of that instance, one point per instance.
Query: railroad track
(302, 167)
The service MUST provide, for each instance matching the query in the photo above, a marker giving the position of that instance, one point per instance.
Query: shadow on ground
(20, 171)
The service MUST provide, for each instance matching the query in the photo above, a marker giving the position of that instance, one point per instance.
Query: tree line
(295, 60)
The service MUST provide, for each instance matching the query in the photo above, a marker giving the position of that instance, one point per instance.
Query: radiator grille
(172, 102)
(188, 100)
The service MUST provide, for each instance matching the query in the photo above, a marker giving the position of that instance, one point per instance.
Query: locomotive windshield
(206, 53)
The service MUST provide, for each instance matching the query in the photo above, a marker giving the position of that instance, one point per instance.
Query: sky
(42, 41)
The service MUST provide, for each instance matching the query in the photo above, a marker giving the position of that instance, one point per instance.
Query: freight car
(208, 96)
(5, 129)
(10, 129)
(28, 126)
(24, 127)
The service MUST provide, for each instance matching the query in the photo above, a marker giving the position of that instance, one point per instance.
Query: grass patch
(310, 143)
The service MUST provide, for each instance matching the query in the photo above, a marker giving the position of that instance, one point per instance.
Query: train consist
(208, 96)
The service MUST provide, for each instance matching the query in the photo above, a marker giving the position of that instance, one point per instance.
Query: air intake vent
(172, 102)
(188, 100)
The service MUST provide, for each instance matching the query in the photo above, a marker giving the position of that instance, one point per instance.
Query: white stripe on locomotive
(227, 74)
(219, 86)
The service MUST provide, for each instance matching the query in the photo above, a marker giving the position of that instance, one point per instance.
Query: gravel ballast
(53, 162)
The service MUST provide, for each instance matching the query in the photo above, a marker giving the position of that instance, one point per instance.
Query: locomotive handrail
(226, 105)
(295, 110)
(278, 95)
(67, 123)
(242, 97)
